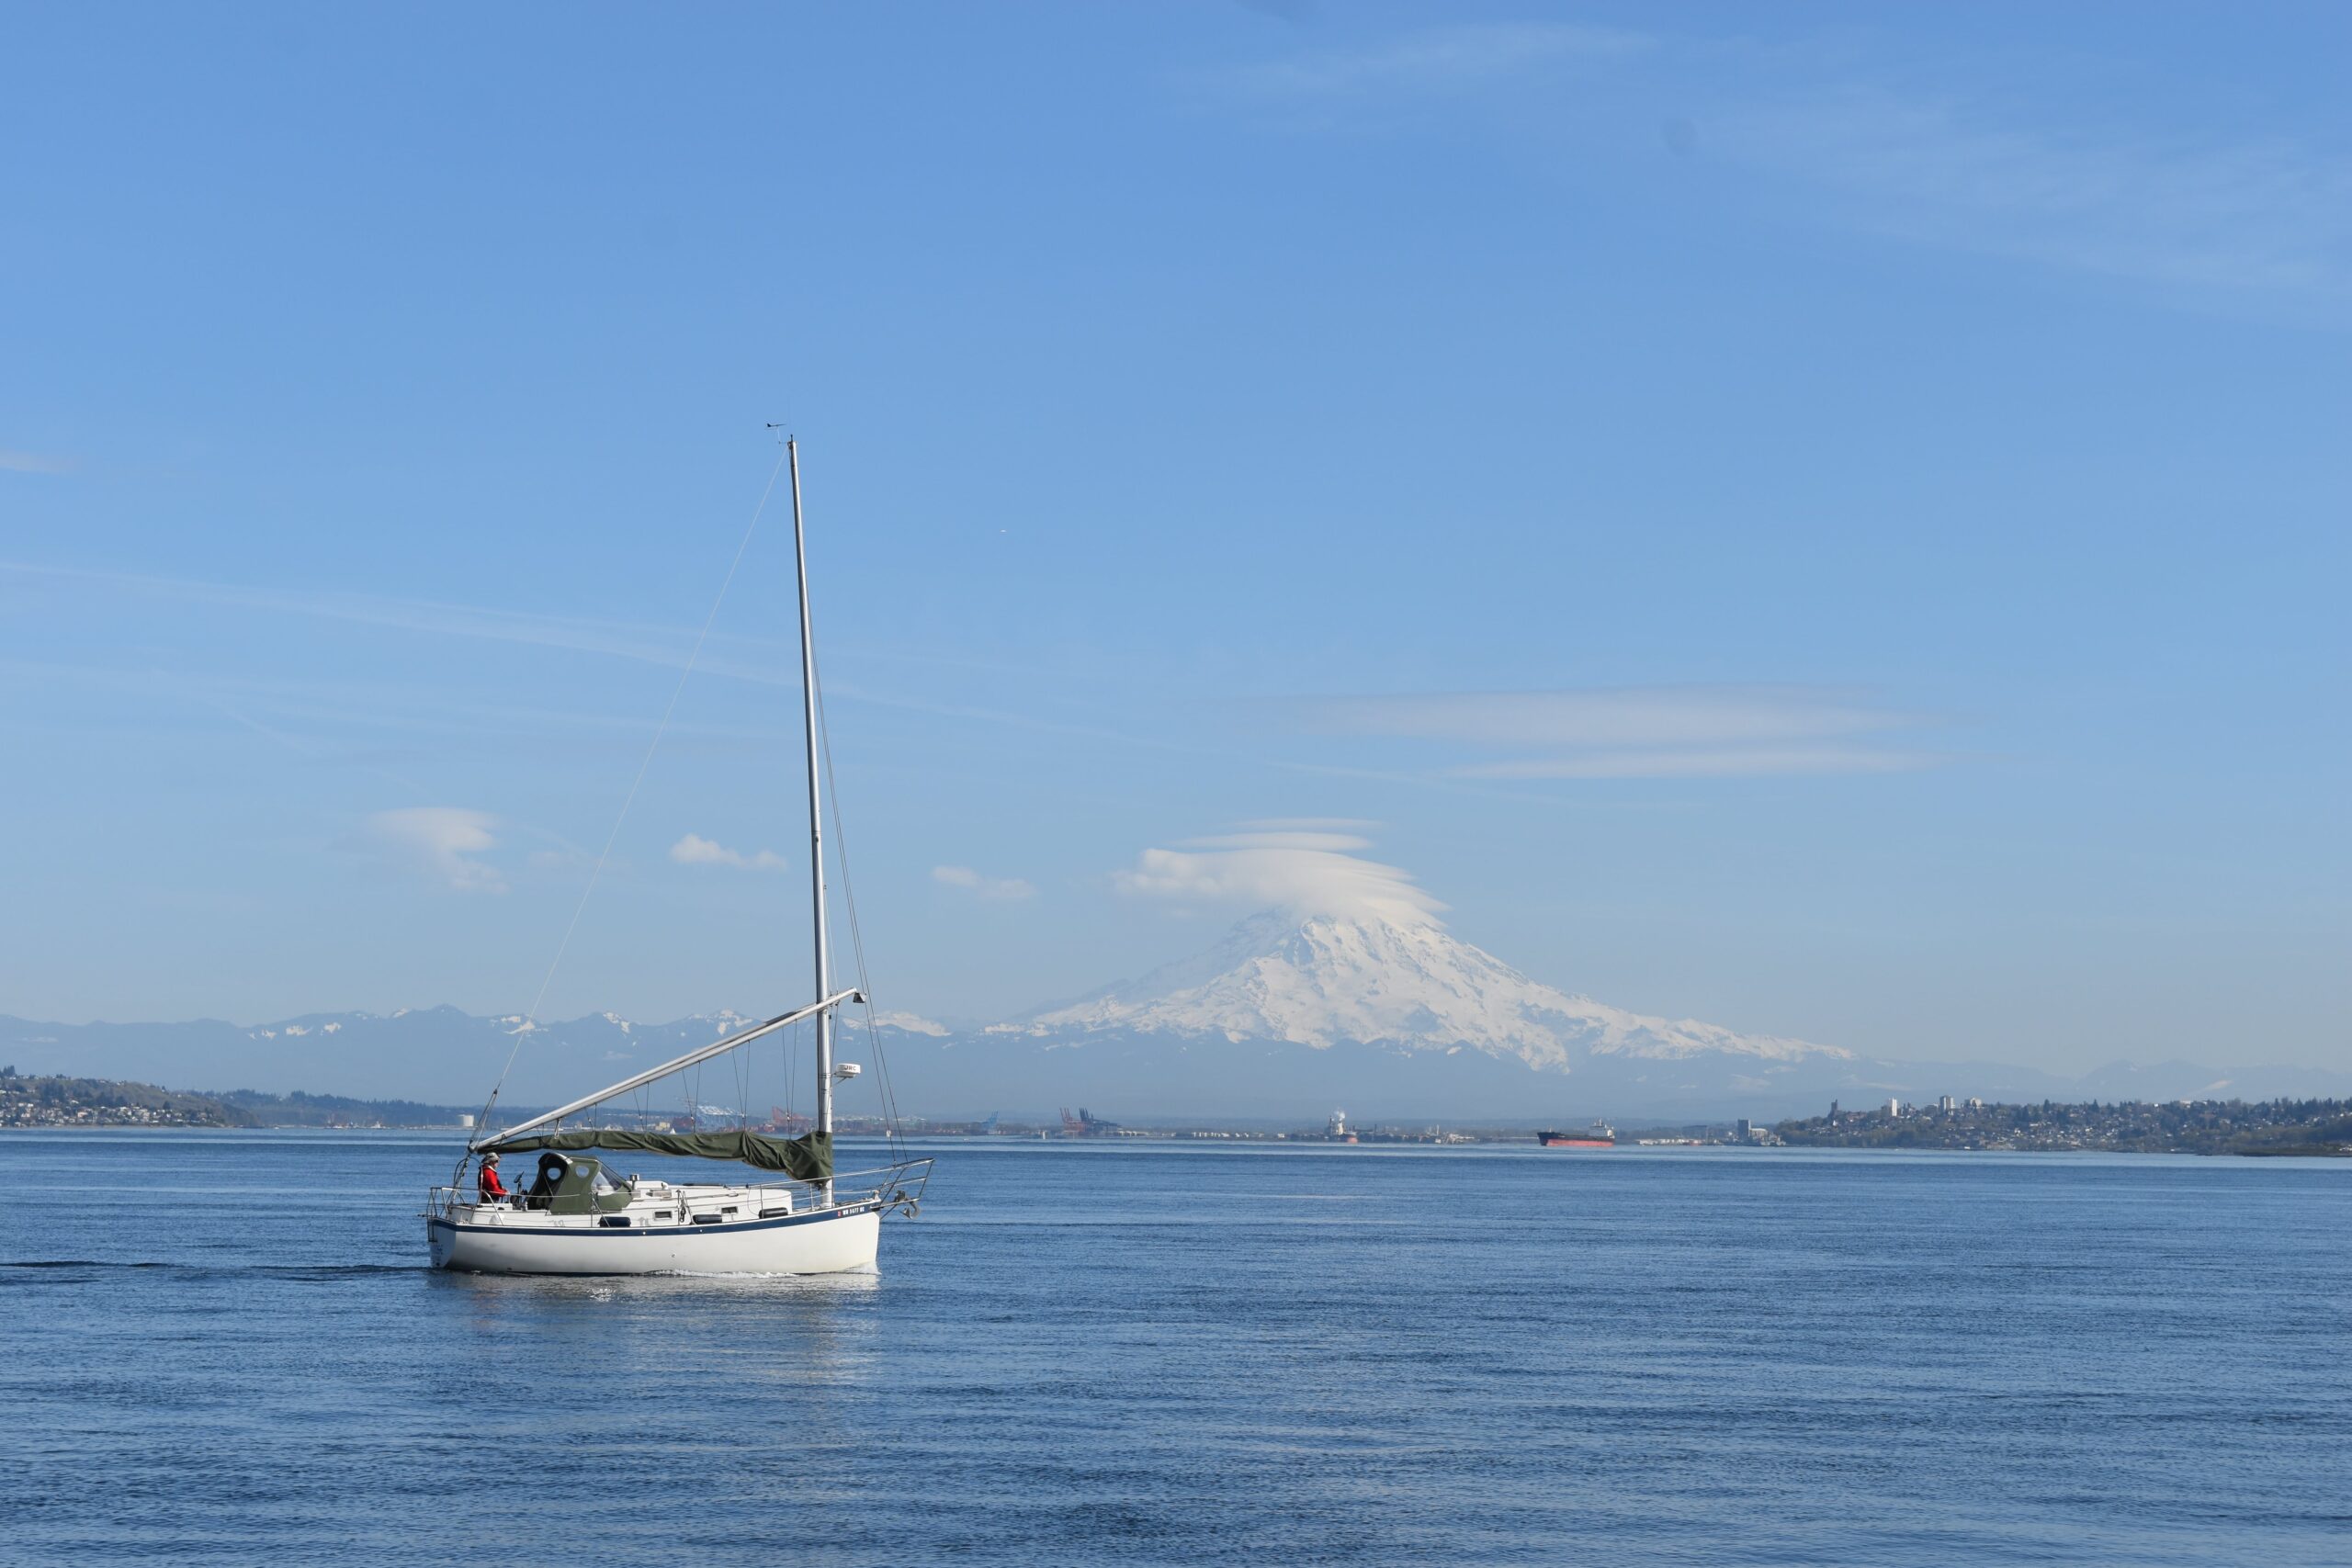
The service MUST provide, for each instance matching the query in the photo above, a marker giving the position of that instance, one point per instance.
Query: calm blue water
(223, 1347)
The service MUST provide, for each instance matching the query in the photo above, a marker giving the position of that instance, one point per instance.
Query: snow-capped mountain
(1289, 1016)
(1324, 980)
(434, 1055)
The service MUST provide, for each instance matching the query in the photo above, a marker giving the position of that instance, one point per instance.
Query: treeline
(301, 1110)
(59, 1100)
(2206, 1126)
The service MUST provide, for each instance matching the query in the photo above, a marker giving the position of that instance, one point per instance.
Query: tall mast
(816, 810)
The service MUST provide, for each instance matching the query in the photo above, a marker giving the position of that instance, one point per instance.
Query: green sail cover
(809, 1158)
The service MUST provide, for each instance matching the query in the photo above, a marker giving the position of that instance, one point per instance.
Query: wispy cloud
(759, 663)
(16, 462)
(998, 890)
(443, 841)
(335, 707)
(1318, 840)
(1442, 60)
(1606, 715)
(654, 645)
(1627, 732)
(1752, 762)
(2268, 216)
(696, 849)
(1960, 160)
(1308, 873)
(761, 660)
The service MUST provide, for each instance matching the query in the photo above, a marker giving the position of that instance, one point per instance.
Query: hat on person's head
(491, 1158)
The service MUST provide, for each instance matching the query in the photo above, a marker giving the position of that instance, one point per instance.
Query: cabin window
(726, 1211)
(665, 1214)
(614, 1222)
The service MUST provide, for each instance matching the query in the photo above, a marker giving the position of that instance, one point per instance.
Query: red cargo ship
(1599, 1136)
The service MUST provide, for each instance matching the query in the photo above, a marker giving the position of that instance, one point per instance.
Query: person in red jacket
(493, 1190)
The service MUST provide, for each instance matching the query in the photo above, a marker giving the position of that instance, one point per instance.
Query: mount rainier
(1324, 981)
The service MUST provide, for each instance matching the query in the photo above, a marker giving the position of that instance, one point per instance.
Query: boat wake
(279, 1270)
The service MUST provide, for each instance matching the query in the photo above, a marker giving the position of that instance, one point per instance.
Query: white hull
(495, 1241)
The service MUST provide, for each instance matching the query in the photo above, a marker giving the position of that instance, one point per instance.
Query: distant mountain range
(1288, 1017)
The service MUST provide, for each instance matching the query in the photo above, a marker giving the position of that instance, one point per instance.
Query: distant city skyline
(1828, 523)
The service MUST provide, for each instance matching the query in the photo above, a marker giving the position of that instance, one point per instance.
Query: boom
(821, 1009)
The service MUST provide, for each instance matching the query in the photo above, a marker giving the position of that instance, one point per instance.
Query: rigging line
(792, 1071)
(531, 1018)
(856, 935)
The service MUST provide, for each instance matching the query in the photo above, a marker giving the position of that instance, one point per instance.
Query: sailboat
(573, 1217)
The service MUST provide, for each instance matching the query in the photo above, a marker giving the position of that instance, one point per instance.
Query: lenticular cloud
(1305, 872)
(444, 840)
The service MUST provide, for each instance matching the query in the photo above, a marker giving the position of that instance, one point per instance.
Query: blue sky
(1828, 520)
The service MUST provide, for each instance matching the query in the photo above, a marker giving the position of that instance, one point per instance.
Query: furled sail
(809, 1158)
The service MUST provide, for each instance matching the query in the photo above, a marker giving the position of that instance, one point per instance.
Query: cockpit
(575, 1184)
